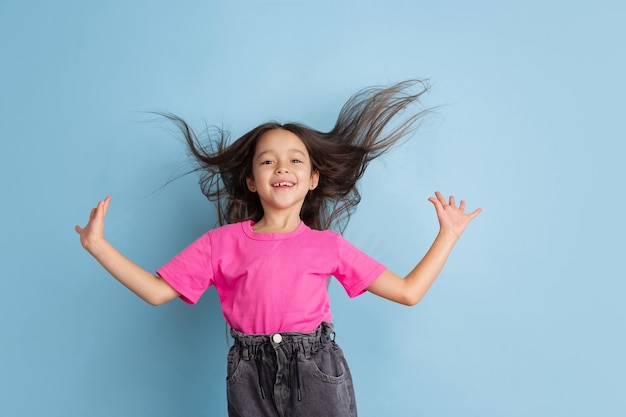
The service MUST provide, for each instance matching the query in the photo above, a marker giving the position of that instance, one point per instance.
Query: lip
(283, 184)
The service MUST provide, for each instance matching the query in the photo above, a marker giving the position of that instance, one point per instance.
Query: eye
(296, 161)
(268, 162)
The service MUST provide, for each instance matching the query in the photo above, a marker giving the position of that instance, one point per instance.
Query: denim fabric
(289, 375)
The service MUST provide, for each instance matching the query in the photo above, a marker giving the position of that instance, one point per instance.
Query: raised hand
(149, 287)
(452, 219)
(94, 230)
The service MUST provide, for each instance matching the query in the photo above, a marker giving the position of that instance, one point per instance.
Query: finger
(105, 204)
(462, 205)
(436, 203)
(441, 198)
(78, 229)
(100, 209)
(452, 201)
(475, 213)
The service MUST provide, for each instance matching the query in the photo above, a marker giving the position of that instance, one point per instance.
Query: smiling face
(282, 173)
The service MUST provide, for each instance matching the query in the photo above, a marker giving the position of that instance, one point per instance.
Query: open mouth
(283, 184)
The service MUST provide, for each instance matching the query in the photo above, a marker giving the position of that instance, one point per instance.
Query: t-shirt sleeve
(356, 270)
(190, 272)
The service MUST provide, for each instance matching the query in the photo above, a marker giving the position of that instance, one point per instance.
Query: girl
(278, 190)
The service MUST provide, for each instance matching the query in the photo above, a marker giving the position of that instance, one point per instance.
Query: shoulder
(230, 229)
(323, 235)
(327, 233)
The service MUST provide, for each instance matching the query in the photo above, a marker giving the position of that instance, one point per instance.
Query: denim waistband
(306, 343)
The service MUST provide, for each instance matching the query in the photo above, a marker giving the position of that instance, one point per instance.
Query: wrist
(448, 236)
(94, 246)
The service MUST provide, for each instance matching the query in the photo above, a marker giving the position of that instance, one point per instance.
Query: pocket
(327, 364)
(327, 384)
(233, 366)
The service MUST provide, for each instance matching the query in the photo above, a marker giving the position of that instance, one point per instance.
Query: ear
(250, 184)
(315, 179)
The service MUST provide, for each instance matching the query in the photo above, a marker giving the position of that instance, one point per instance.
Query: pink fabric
(270, 282)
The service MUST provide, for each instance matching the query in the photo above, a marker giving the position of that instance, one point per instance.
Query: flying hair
(362, 133)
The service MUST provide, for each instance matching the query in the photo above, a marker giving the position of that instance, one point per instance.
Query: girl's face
(282, 173)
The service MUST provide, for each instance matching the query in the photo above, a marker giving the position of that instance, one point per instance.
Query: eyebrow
(272, 151)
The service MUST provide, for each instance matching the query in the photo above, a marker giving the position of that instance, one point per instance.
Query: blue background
(527, 318)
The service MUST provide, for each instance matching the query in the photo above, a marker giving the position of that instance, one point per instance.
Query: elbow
(154, 302)
(157, 299)
(160, 294)
(411, 300)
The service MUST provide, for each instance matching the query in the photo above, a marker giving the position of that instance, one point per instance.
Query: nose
(281, 169)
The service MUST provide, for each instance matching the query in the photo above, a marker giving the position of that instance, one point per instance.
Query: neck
(276, 223)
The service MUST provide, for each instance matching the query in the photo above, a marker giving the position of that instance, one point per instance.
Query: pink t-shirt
(270, 282)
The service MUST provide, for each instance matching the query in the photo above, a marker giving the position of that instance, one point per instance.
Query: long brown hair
(362, 133)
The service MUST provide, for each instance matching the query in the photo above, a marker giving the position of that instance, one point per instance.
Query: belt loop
(306, 346)
(245, 352)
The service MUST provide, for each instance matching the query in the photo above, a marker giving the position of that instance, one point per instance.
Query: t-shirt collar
(247, 229)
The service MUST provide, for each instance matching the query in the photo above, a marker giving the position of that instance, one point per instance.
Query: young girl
(279, 189)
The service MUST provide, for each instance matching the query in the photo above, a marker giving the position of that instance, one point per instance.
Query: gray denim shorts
(289, 375)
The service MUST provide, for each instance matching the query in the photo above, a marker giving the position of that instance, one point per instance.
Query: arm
(411, 289)
(147, 286)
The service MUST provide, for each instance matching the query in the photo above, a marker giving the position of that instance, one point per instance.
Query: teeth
(283, 184)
